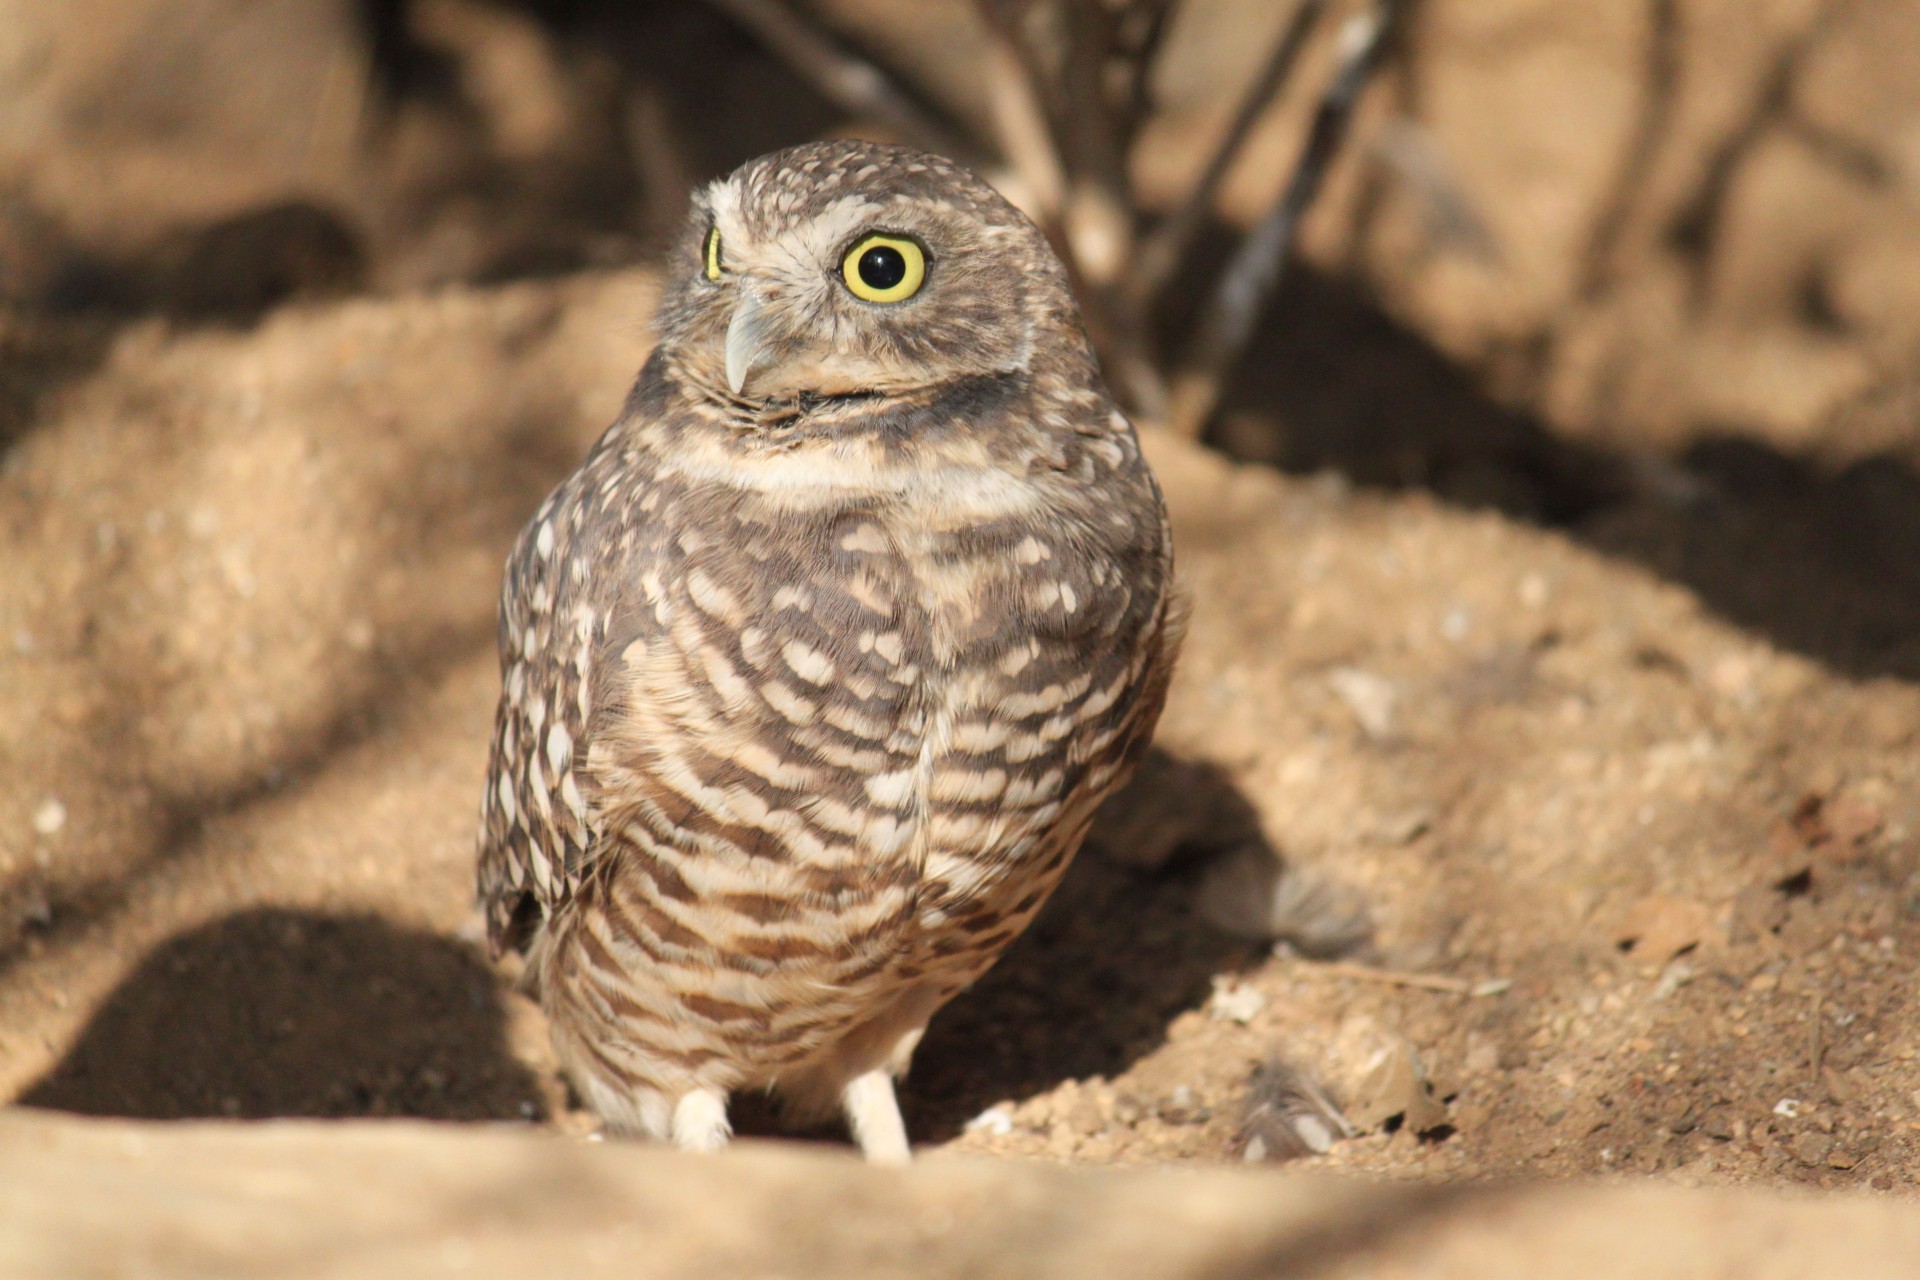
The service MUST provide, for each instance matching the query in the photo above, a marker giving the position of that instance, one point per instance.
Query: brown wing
(538, 831)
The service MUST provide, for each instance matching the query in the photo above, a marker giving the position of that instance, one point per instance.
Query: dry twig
(844, 78)
(1404, 978)
(1167, 248)
(1067, 136)
(665, 178)
(1020, 126)
(1254, 270)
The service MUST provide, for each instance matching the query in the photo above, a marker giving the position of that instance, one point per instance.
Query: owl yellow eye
(712, 253)
(884, 268)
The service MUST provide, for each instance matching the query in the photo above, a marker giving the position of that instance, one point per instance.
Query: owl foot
(700, 1121)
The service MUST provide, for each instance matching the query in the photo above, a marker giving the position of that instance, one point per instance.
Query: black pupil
(882, 267)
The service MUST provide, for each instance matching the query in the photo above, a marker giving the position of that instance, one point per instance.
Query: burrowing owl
(818, 666)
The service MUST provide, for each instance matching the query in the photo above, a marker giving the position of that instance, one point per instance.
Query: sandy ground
(1555, 699)
(400, 1200)
(252, 671)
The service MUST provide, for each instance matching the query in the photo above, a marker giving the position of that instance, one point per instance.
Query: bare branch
(1143, 30)
(1251, 276)
(665, 178)
(1168, 246)
(1020, 123)
(1100, 213)
(1063, 130)
(1047, 63)
(843, 77)
(1448, 214)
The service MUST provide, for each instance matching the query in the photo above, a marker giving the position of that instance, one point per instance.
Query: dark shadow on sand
(275, 1012)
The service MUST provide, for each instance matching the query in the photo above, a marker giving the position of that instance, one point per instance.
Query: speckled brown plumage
(816, 669)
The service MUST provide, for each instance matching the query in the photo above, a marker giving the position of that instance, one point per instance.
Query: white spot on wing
(1032, 551)
(807, 662)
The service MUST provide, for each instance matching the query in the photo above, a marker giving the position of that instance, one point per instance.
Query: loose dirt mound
(1566, 688)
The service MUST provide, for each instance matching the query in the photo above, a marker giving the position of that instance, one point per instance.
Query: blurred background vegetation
(1570, 256)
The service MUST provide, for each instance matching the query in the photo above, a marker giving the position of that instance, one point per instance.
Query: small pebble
(1812, 1148)
(1182, 1107)
(37, 911)
(1235, 1001)
(996, 1121)
(49, 817)
(1404, 826)
(1371, 698)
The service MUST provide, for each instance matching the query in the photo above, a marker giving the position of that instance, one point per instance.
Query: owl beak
(746, 341)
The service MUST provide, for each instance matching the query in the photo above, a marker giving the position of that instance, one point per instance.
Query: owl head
(850, 268)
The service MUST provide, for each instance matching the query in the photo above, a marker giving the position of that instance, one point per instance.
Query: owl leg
(874, 1116)
(700, 1121)
(873, 1113)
